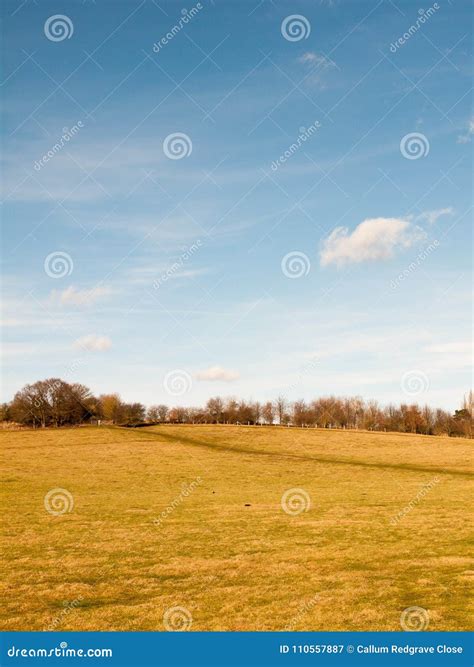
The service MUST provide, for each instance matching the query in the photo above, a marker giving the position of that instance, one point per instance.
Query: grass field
(192, 517)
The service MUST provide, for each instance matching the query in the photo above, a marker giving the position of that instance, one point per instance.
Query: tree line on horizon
(56, 403)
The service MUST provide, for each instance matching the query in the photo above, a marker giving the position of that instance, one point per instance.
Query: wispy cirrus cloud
(319, 66)
(432, 216)
(313, 58)
(373, 239)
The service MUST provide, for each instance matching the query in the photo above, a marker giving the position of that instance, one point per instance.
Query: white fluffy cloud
(217, 374)
(373, 239)
(72, 296)
(94, 343)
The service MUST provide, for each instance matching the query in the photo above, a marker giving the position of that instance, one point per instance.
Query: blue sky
(343, 268)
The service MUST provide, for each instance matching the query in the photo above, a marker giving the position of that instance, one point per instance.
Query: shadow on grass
(186, 440)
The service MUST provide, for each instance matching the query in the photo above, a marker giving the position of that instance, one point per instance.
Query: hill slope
(253, 528)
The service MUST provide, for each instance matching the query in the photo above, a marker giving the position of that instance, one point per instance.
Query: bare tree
(157, 413)
(152, 414)
(281, 407)
(231, 408)
(268, 412)
(162, 412)
(215, 409)
(54, 402)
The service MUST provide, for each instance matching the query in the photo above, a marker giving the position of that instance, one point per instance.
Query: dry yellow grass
(226, 550)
